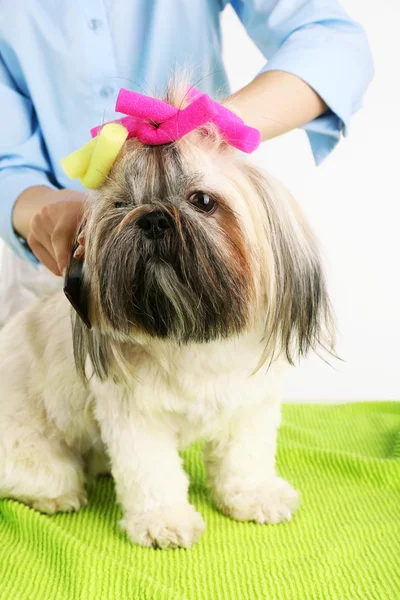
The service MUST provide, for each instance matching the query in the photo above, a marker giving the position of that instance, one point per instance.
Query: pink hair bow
(155, 122)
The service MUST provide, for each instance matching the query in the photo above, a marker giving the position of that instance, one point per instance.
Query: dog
(203, 281)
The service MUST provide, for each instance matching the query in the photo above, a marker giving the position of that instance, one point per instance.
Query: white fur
(51, 426)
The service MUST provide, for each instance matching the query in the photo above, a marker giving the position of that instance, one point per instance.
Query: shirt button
(106, 91)
(95, 24)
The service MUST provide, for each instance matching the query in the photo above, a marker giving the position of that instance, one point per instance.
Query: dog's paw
(66, 503)
(273, 502)
(168, 527)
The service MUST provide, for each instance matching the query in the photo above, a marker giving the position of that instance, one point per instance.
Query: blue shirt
(62, 64)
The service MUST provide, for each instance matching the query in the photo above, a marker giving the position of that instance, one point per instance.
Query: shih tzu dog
(203, 281)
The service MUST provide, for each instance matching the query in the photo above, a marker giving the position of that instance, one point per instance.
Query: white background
(353, 203)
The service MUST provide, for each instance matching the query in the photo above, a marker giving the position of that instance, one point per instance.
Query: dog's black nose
(154, 224)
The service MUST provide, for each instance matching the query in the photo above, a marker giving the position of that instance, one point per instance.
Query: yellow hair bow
(92, 163)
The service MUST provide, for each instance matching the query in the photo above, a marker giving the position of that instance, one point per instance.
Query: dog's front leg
(151, 484)
(241, 467)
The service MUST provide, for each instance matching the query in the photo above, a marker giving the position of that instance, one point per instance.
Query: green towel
(343, 543)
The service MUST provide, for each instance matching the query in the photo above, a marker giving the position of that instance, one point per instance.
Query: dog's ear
(299, 315)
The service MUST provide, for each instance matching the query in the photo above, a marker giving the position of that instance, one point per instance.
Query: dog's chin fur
(190, 332)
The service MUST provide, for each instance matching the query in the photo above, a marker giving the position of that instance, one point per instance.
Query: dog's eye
(203, 202)
(121, 204)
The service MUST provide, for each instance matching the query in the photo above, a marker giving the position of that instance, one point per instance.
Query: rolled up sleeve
(23, 161)
(320, 44)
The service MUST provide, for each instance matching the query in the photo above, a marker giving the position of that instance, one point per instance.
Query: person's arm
(288, 101)
(319, 66)
(32, 209)
(22, 160)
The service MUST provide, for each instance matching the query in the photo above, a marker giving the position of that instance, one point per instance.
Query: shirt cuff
(316, 55)
(12, 183)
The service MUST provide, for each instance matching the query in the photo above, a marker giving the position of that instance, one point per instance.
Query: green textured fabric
(343, 544)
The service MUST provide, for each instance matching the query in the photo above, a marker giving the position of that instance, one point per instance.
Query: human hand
(48, 219)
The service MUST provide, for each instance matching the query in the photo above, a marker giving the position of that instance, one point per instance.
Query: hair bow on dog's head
(153, 122)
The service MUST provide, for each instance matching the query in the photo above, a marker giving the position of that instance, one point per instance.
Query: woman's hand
(48, 220)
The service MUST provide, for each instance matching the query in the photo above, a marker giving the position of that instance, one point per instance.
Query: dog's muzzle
(155, 224)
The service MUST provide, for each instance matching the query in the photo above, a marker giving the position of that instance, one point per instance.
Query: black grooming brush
(74, 288)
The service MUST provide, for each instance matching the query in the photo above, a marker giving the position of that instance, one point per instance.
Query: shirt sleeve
(23, 161)
(319, 43)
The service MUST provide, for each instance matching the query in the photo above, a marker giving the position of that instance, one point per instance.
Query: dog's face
(170, 241)
(187, 242)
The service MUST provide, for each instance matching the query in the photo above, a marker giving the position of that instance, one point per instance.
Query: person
(62, 64)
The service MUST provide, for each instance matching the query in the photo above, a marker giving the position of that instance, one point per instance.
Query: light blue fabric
(62, 64)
